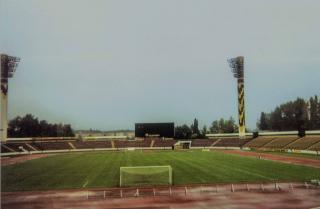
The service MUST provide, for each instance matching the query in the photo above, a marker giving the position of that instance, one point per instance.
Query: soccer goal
(145, 175)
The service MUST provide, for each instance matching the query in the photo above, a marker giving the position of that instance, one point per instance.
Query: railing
(189, 190)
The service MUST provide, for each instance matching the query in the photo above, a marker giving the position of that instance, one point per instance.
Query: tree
(230, 126)
(292, 115)
(44, 128)
(214, 127)
(317, 126)
(301, 114)
(221, 126)
(195, 127)
(276, 119)
(204, 130)
(224, 126)
(67, 130)
(29, 126)
(183, 132)
(264, 123)
(14, 127)
(313, 113)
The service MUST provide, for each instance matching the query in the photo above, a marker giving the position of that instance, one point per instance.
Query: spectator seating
(203, 142)
(91, 144)
(258, 142)
(4, 149)
(245, 141)
(280, 142)
(267, 142)
(164, 143)
(55, 145)
(144, 143)
(133, 143)
(304, 143)
(231, 142)
(315, 147)
(17, 145)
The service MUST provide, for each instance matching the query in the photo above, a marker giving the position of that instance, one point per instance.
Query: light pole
(236, 65)
(8, 65)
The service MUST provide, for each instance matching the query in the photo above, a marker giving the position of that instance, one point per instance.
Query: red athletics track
(20, 158)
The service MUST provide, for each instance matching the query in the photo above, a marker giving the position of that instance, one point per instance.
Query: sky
(106, 64)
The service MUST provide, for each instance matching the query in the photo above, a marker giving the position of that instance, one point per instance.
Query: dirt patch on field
(238, 196)
(21, 158)
(274, 157)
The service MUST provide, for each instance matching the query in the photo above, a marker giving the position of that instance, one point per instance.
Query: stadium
(158, 168)
(90, 171)
(136, 73)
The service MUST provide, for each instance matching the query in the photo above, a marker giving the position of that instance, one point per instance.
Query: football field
(101, 169)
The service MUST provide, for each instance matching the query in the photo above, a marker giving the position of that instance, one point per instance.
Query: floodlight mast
(236, 65)
(8, 65)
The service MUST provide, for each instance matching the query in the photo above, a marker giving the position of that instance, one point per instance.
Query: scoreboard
(154, 129)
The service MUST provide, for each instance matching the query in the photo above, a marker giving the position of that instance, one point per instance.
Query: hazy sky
(107, 64)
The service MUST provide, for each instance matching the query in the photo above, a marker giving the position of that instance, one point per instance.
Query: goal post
(145, 175)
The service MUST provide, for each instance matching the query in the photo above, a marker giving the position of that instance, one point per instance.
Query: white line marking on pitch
(85, 184)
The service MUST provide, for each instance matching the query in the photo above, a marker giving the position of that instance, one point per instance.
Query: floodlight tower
(236, 65)
(8, 65)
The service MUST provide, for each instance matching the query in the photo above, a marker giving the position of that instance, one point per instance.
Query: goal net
(145, 175)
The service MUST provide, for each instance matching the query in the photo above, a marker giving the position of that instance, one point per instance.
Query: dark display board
(161, 129)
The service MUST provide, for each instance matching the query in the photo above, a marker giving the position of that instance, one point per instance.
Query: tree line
(30, 126)
(217, 126)
(299, 114)
(293, 115)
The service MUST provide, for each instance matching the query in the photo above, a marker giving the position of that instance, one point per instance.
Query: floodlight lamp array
(236, 65)
(10, 65)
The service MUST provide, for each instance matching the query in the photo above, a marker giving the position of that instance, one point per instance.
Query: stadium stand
(71, 145)
(304, 143)
(47, 145)
(315, 147)
(280, 142)
(245, 141)
(134, 143)
(113, 145)
(231, 142)
(5, 149)
(91, 144)
(164, 143)
(18, 146)
(258, 142)
(152, 143)
(263, 142)
(203, 142)
(145, 143)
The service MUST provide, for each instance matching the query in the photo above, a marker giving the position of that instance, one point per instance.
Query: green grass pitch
(101, 169)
